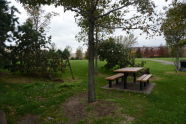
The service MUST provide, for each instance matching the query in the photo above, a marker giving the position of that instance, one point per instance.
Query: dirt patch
(101, 75)
(29, 119)
(58, 80)
(102, 108)
(16, 78)
(69, 79)
(77, 108)
(74, 108)
(127, 119)
(3, 117)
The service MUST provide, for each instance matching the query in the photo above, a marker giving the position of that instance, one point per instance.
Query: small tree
(115, 54)
(66, 52)
(138, 53)
(174, 29)
(79, 53)
(127, 41)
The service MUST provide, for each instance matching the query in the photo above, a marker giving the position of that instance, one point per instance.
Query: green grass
(165, 105)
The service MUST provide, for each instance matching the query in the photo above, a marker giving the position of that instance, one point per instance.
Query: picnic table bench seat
(114, 77)
(144, 79)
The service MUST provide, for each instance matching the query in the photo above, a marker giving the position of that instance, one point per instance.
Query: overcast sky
(63, 27)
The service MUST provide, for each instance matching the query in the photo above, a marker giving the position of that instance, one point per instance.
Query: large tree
(94, 10)
(8, 22)
(174, 29)
(29, 48)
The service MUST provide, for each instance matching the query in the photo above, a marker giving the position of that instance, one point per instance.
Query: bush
(115, 54)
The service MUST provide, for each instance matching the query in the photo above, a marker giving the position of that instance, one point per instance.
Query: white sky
(63, 27)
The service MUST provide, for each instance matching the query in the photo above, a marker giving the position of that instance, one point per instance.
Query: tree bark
(91, 71)
(96, 54)
(177, 59)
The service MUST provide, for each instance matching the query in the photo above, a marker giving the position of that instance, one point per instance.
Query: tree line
(26, 47)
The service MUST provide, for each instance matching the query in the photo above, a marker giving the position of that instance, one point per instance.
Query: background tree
(93, 10)
(30, 44)
(66, 53)
(138, 53)
(79, 53)
(86, 54)
(38, 17)
(8, 22)
(128, 41)
(174, 29)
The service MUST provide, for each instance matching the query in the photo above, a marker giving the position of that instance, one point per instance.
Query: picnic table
(127, 71)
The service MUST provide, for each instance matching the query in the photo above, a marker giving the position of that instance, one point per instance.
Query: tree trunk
(177, 59)
(96, 55)
(91, 80)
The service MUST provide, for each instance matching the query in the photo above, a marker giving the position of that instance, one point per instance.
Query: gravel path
(162, 61)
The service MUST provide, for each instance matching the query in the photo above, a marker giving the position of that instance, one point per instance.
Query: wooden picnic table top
(129, 69)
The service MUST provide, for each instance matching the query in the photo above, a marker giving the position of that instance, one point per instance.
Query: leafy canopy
(8, 22)
(174, 26)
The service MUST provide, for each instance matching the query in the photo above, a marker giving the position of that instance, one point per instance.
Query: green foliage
(115, 54)
(174, 29)
(8, 20)
(174, 25)
(30, 52)
(66, 53)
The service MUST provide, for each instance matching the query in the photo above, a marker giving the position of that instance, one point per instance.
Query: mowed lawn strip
(166, 104)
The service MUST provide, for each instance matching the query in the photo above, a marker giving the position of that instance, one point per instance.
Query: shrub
(115, 54)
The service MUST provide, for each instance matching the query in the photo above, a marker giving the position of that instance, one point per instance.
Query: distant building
(148, 52)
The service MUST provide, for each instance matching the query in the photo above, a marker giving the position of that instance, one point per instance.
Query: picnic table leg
(125, 80)
(134, 75)
(110, 83)
(141, 85)
(116, 81)
(147, 82)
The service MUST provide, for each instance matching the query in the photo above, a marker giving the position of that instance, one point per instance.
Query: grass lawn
(48, 100)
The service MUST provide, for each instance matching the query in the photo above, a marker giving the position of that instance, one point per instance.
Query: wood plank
(129, 69)
(141, 77)
(113, 77)
(146, 78)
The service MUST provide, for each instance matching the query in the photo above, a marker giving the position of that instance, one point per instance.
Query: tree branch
(96, 3)
(111, 11)
(79, 11)
(118, 27)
